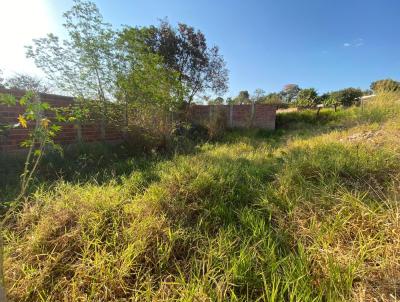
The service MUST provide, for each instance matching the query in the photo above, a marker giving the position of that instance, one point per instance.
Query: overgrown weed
(296, 215)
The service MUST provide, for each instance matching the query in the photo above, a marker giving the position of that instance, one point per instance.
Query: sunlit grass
(308, 213)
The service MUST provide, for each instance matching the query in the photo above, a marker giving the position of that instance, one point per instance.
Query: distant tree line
(293, 96)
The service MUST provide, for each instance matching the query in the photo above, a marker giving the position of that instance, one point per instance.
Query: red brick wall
(237, 116)
(91, 132)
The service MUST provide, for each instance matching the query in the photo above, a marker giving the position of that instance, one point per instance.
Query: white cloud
(20, 22)
(355, 43)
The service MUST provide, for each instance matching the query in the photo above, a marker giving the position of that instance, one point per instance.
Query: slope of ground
(309, 213)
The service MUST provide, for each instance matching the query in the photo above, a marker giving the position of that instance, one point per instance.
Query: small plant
(41, 133)
(40, 136)
(216, 126)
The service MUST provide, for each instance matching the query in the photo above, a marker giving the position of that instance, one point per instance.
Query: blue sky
(326, 44)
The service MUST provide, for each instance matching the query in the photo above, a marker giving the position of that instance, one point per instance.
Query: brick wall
(11, 140)
(237, 116)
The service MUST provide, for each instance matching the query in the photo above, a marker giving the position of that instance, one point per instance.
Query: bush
(347, 97)
(387, 85)
(216, 126)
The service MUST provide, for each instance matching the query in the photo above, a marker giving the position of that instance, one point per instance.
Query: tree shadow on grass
(97, 162)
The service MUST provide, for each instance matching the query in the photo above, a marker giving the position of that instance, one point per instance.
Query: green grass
(309, 212)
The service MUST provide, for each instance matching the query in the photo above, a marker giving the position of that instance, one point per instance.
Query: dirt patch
(369, 136)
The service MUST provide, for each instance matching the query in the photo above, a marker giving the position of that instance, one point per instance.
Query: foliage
(274, 99)
(347, 97)
(41, 133)
(83, 65)
(290, 92)
(184, 50)
(307, 98)
(387, 85)
(149, 85)
(323, 98)
(230, 101)
(27, 82)
(242, 98)
(216, 126)
(149, 92)
(332, 100)
(144, 81)
(258, 95)
(151, 71)
(217, 101)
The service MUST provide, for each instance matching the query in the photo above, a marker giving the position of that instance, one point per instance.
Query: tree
(28, 83)
(387, 85)
(217, 101)
(322, 98)
(242, 98)
(230, 101)
(258, 95)
(273, 99)
(307, 98)
(347, 97)
(184, 50)
(290, 92)
(147, 89)
(330, 100)
(148, 84)
(84, 64)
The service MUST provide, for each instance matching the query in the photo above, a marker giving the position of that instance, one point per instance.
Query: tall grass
(296, 215)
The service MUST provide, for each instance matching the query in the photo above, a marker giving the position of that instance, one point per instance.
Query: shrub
(387, 85)
(346, 97)
(216, 126)
(307, 98)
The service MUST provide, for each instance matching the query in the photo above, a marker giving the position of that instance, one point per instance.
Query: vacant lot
(309, 212)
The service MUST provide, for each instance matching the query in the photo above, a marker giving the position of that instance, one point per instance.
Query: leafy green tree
(84, 64)
(331, 100)
(289, 92)
(322, 98)
(184, 50)
(230, 101)
(148, 84)
(273, 99)
(348, 96)
(242, 98)
(307, 98)
(258, 95)
(145, 87)
(386, 85)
